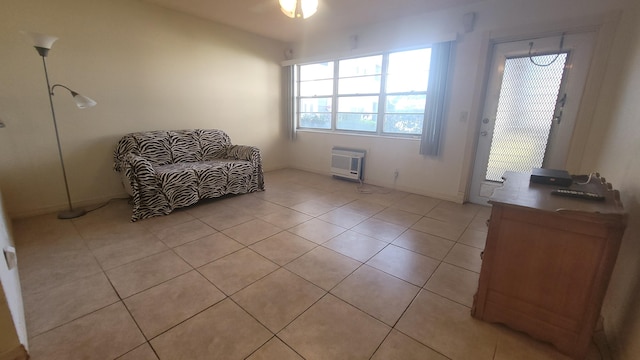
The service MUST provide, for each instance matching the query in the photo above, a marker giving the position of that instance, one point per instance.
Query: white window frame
(335, 96)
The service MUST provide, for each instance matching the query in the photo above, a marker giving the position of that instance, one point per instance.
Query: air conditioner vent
(347, 163)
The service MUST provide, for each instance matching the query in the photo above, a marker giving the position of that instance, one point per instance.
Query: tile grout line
(316, 245)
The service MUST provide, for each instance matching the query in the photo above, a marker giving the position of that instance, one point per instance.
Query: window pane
(357, 113)
(316, 71)
(364, 104)
(359, 85)
(315, 105)
(406, 103)
(408, 71)
(403, 123)
(315, 113)
(316, 88)
(315, 120)
(370, 65)
(354, 121)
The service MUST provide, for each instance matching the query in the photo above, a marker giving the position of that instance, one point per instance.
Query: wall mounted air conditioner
(347, 163)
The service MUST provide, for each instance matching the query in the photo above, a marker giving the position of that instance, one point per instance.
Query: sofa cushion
(179, 184)
(185, 146)
(154, 146)
(212, 178)
(214, 144)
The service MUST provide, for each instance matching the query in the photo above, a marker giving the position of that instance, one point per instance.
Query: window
(381, 94)
(315, 94)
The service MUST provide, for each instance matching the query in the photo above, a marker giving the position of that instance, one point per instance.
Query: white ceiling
(263, 17)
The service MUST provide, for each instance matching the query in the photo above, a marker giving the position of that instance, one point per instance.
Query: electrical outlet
(10, 257)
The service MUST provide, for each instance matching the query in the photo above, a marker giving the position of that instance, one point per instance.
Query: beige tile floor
(309, 269)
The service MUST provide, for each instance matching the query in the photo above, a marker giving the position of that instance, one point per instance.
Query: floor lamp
(43, 44)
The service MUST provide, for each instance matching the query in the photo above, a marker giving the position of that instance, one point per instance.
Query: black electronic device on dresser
(551, 177)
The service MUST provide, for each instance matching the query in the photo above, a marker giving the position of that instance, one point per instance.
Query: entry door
(530, 109)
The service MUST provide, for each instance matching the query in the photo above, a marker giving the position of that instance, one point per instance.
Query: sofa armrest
(244, 152)
(252, 154)
(147, 195)
(125, 146)
(139, 171)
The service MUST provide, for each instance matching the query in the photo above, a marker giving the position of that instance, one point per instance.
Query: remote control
(577, 194)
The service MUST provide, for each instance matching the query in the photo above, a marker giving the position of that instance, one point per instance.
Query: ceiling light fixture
(299, 8)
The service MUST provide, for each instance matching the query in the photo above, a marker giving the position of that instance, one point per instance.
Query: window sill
(360, 134)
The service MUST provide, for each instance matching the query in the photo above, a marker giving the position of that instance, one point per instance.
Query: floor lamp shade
(43, 44)
(82, 102)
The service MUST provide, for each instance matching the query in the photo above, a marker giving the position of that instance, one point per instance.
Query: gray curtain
(436, 96)
(289, 99)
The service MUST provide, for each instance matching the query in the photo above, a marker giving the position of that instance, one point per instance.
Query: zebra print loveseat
(166, 170)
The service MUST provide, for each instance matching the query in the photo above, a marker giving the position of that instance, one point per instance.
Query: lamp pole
(43, 44)
(71, 213)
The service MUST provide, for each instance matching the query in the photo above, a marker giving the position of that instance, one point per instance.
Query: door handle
(484, 133)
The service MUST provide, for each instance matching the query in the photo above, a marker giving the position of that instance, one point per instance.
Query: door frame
(604, 25)
(579, 49)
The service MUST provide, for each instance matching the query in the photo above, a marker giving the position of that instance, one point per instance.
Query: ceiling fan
(295, 9)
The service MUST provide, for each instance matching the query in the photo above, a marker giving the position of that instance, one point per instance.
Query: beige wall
(147, 67)
(151, 68)
(609, 132)
(447, 175)
(615, 145)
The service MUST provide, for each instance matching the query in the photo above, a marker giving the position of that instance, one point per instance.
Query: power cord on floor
(108, 202)
(361, 190)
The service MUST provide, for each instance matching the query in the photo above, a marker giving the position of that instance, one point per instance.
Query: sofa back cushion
(185, 146)
(214, 144)
(154, 146)
(177, 146)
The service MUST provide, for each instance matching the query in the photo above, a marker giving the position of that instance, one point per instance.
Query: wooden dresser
(548, 260)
